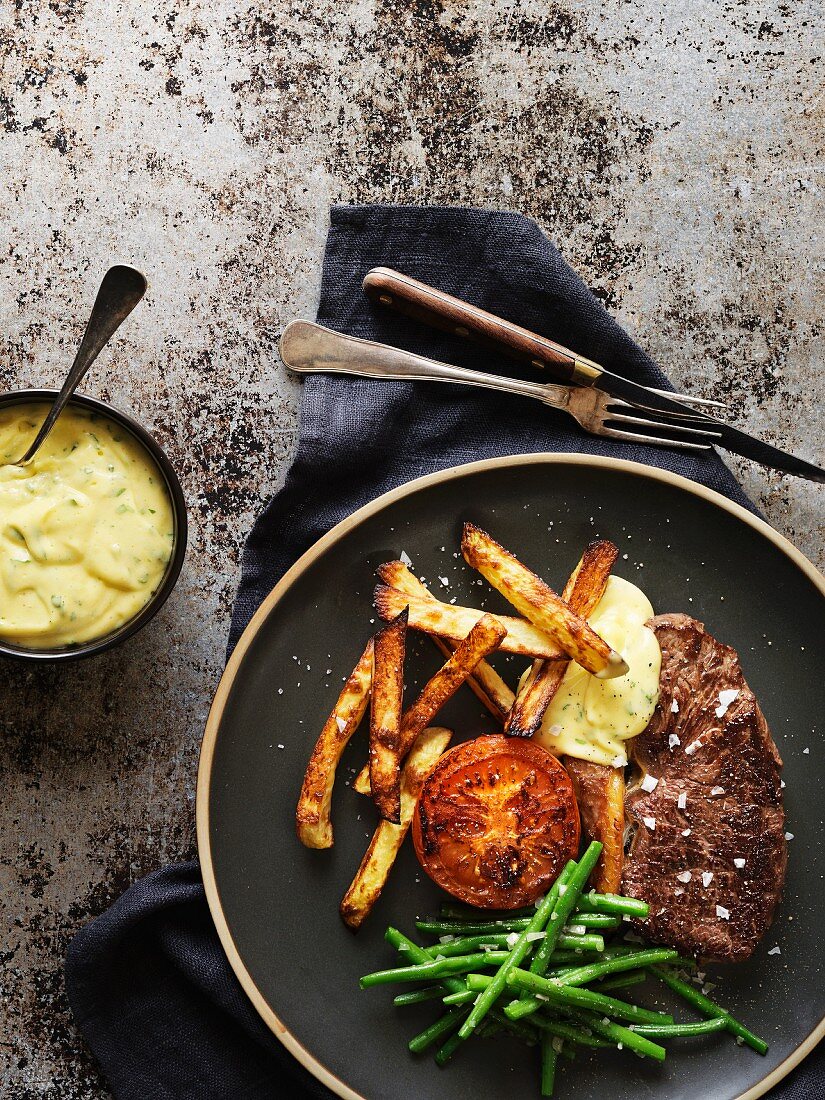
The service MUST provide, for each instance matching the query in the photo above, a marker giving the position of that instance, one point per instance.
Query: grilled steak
(713, 868)
(600, 794)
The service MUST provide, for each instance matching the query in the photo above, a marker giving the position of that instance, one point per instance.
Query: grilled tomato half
(496, 822)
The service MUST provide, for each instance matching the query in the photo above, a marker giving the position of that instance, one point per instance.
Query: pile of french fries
(403, 747)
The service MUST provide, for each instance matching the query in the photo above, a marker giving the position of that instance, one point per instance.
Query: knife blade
(732, 439)
(440, 310)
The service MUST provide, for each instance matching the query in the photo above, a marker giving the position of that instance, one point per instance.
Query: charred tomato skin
(496, 822)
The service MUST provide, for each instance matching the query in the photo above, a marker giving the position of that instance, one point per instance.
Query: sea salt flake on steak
(733, 751)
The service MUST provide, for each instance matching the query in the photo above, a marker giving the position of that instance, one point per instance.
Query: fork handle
(441, 310)
(308, 348)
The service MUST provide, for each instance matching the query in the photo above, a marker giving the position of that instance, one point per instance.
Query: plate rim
(208, 743)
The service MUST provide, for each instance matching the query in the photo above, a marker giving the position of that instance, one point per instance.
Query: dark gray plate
(276, 904)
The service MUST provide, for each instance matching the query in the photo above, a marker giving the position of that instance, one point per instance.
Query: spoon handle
(120, 291)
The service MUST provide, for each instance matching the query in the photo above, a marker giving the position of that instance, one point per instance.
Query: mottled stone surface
(672, 150)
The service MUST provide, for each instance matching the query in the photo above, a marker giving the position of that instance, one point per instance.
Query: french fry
(312, 819)
(385, 717)
(584, 588)
(540, 604)
(485, 682)
(377, 863)
(600, 795)
(484, 638)
(454, 623)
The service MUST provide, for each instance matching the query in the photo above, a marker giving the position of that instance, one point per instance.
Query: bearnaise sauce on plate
(86, 530)
(591, 718)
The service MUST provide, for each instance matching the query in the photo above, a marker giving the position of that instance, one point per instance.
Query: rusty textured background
(673, 150)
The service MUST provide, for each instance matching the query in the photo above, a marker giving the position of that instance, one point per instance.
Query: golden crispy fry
(454, 623)
(385, 717)
(485, 682)
(312, 813)
(484, 638)
(386, 841)
(539, 603)
(600, 795)
(582, 593)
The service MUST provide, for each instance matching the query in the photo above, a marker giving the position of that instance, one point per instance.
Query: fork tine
(669, 426)
(689, 399)
(635, 437)
(696, 418)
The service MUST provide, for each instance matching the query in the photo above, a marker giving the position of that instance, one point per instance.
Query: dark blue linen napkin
(148, 983)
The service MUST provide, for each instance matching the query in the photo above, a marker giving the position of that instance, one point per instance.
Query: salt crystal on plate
(707, 878)
(445, 581)
(805, 751)
(726, 697)
(681, 801)
(717, 790)
(692, 747)
(684, 876)
(686, 832)
(722, 912)
(673, 741)
(674, 707)
(774, 951)
(788, 836)
(405, 557)
(649, 783)
(740, 863)
(650, 822)
(340, 723)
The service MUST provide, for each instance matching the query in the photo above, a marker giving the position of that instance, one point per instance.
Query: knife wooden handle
(441, 310)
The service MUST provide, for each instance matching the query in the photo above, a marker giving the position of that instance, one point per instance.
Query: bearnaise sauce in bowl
(88, 530)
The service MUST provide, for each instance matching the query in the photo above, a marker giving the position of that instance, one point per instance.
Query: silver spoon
(120, 291)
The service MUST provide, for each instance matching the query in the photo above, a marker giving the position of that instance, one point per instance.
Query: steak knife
(440, 310)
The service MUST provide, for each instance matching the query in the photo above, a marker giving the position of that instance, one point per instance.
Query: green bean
(445, 1053)
(617, 904)
(517, 955)
(583, 975)
(478, 982)
(462, 998)
(580, 998)
(677, 1031)
(562, 1030)
(573, 886)
(548, 1065)
(416, 996)
(466, 944)
(623, 1037)
(571, 941)
(433, 968)
(456, 985)
(635, 977)
(709, 1008)
(418, 955)
(593, 920)
(441, 1027)
(476, 928)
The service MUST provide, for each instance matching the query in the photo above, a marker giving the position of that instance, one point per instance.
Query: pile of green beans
(546, 976)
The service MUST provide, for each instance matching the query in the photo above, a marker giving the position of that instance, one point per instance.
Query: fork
(307, 348)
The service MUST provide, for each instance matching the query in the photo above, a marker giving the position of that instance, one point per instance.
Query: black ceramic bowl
(150, 609)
